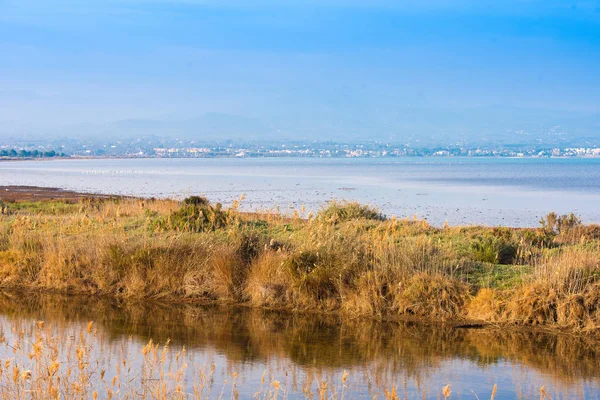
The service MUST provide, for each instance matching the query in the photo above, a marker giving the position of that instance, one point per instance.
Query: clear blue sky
(68, 62)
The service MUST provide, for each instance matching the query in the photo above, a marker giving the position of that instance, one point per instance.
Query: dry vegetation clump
(486, 305)
(269, 281)
(350, 258)
(432, 296)
(564, 290)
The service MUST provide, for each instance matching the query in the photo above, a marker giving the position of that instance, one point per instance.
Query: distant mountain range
(416, 126)
(208, 126)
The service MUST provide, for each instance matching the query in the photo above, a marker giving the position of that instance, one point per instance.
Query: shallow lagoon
(489, 191)
(300, 351)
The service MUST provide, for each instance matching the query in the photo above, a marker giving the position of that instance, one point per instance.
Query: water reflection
(417, 358)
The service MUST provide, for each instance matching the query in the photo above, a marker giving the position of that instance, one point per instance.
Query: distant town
(174, 148)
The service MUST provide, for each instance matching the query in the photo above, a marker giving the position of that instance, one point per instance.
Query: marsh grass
(348, 259)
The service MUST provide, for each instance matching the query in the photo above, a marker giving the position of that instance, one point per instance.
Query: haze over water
(488, 191)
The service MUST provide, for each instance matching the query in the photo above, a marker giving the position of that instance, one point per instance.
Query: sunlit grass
(348, 258)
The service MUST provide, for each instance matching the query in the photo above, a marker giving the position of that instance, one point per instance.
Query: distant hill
(416, 126)
(209, 126)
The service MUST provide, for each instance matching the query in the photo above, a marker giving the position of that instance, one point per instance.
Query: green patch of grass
(46, 207)
(498, 276)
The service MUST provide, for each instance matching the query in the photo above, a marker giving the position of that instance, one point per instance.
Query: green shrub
(196, 201)
(195, 215)
(347, 211)
(483, 250)
(494, 250)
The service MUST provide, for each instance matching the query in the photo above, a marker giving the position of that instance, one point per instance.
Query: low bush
(337, 212)
(195, 215)
(494, 250)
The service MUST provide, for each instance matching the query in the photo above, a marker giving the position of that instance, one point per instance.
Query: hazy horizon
(436, 70)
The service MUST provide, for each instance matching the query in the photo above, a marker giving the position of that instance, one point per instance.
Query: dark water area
(301, 350)
(488, 191)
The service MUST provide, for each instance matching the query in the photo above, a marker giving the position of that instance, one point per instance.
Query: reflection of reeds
(316, 342)
(349, 259)
(70, 363)
(47, 361)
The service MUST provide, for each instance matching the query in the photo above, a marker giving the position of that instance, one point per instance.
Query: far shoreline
(233, 157)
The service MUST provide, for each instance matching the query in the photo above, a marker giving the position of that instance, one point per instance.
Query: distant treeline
(28, 154)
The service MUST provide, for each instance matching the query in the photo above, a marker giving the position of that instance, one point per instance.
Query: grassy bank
(347, 259)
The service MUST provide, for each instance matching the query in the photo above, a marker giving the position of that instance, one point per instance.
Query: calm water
(301, 351)
(511, 192)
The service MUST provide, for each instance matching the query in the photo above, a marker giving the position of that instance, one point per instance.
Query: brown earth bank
(348, 260)
(36, 193)
(17, 193)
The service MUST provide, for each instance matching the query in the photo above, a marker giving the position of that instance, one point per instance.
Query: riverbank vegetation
(347, 259)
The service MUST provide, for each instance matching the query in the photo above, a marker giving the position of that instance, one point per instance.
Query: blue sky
(323, 65)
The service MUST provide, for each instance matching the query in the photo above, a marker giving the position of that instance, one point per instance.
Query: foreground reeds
(347, 259)
(40, 361)
(68, 365)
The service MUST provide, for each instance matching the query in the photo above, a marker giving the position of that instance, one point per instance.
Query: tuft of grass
(432, 297)
(342, 211)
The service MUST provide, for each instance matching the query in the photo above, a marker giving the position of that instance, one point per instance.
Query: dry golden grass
(348, 259)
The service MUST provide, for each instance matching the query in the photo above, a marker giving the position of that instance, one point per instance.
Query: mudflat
(36, 193)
